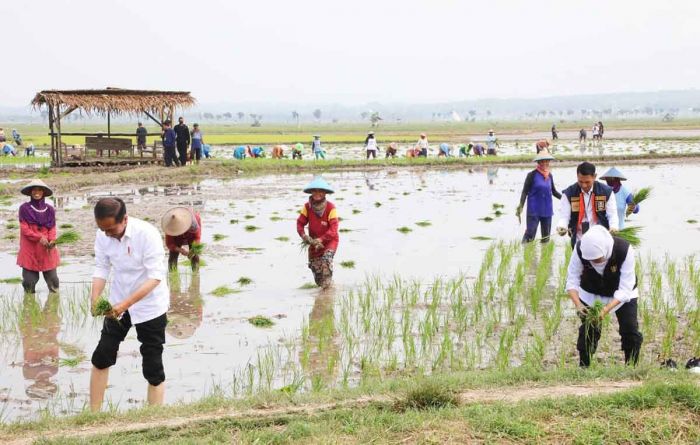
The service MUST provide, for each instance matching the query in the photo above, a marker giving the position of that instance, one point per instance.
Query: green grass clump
(423, 223)
(486, 219)
(482, 238)
(249, 216)
(356, 211)
(219, 236)
(13, 225)
(102, 307)
(692, 221)
(308, 285)
(377, 204)
(68, 237)
(348, 264)
(70, 226)
(251, 228)
(404, 229)
(222, 291)
(428, 396)
(641, 195)
(15, 280)
(275, 218)
(233, 221)
(630, 234)
(197, 248)
(282, 238)
(497, 206)
(244, 281)
(10, 236)
(260, 321)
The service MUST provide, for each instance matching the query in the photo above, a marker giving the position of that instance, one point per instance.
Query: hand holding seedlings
(562, 231)
(101, 307)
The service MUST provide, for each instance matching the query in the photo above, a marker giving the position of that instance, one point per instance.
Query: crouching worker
(182, 228)
(297, 150)
(322, 219)
(602, 269)
(133, 250)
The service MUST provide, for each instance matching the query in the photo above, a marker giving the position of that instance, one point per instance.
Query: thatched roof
(114, 100)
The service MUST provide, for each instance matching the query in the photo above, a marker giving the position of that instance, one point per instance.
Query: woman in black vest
(602, 268)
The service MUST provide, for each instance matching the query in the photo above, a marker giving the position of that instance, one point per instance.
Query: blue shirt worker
(538, 190)
(316, 147)
(623, 197)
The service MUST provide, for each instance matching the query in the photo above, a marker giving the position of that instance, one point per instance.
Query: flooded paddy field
(432, 278)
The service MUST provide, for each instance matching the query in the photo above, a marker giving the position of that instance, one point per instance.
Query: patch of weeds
(15, 280)
(348, 264)
(404, 229)
(428, 396)
(251, 228)
(260, 321)
(423, 223)
(233, 221)
(68, 237)
(282, 238)
(222, 291)
(308, 285)
(244, 281)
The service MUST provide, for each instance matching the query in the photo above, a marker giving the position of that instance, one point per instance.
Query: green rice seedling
(70, 362)
(630, 234)
(275, 218)
(219, 236)
(102, 307)
(197, 248)
(404, 229)
(249, 216)
(498, 213)
(423, 223)
(10, 236)
(68, 237)
(233, 221)
(244, 281)
(486, 219)
(356, 211)
(282, 238)
(347, 264)
(65, 226)
(304, 245)
(692, 221)
(308, 285)
(14, 280)
(482, 238)
(223, 291)
(641, 195)
(344, 230)
(251, 228)
(13, 225)
(260, 321)
(497, 206)
(252, 249)
(593, 314)
(406, 193)
(377, 204)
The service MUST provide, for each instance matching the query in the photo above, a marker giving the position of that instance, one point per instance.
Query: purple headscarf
(37, 212)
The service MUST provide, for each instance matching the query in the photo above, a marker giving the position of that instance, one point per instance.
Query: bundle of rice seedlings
(197, 248)
(631, 235)
(102, 307)
(641, 195)
(68, 237)
(593, 314)
(304, 245)
(260, 321)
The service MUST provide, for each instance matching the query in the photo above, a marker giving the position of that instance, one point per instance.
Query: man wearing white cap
(182, 227)
(602, 269)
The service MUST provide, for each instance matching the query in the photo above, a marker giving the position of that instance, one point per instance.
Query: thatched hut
(157, 105)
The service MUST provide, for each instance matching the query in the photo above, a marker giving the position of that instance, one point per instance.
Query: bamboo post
(54, 159)
(109, 124)
(58, 136)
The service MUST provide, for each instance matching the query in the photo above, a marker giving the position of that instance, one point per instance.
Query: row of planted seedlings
(513, 312)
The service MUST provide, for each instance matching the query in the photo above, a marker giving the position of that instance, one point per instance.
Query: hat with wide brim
(614, 173)
(544, 155)
(318, 184)
(176, 221)
(27, 189)
(370, 132)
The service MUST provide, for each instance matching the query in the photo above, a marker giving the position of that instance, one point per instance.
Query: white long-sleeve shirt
(625, 291)
(610, 210)
(137, 257)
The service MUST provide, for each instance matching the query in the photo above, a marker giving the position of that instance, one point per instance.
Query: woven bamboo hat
(176, 221)
(27, 189)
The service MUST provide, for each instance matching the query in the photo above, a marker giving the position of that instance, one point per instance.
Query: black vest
(604, 285)
(602, 194)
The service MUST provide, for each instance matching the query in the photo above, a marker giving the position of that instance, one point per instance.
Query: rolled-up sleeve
(102, 264)
(153, 256)
(573, 276)
(564, 211)
(628, 279)
(611, 212)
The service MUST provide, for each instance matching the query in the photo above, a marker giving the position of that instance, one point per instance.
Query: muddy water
(209, 339)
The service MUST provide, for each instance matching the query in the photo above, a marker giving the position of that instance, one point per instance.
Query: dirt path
(510, 395)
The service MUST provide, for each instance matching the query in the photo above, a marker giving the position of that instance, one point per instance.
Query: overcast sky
(352, 51)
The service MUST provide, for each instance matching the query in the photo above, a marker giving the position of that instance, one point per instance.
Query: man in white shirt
(585, 204)
(133, 250)
(602, 268)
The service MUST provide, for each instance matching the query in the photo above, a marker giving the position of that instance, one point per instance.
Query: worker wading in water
(321, 216)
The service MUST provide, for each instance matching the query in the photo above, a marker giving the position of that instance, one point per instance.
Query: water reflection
(185, 314)
(491, 174)
(39, 328)
(319, 354)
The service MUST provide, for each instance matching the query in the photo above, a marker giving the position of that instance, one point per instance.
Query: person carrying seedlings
(239, 152)
(371, 145)
(322, 240)
(183, 139)
(585, 204)
(601, 279)
(623, 197)
(297, 150)
(538, 190)
(182, 227)
(491, 144)
(316, 148)
(169, 139)
(37, 240)
(197, 143)
(421, 148)
(132, 250)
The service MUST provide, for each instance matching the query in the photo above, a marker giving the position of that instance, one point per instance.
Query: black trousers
(182, 151)
(169, 156)
(31, 277)
(589, 335)
(174, 255)
(150, 333)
